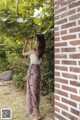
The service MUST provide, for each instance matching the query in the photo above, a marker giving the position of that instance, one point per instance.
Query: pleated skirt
(33, 87)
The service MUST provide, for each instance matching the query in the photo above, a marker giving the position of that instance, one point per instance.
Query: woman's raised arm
(24, 52)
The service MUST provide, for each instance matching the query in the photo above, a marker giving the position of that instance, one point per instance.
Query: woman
(34, 77)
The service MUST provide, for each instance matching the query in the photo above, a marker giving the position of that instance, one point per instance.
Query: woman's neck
(36, 50)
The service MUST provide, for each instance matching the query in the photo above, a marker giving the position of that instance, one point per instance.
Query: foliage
(18, 20)
(48, 65)
(20, 73)
(10, 58)
(3, 60)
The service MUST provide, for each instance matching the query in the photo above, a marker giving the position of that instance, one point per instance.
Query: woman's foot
(29, 115)
(37, 117)
(32, 114)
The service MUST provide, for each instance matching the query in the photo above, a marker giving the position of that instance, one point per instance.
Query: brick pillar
(67, 60)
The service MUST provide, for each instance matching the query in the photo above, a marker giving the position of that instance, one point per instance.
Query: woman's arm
(30, 44)
(24, 52)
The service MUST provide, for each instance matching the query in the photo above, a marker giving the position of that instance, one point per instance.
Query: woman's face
(36, 42)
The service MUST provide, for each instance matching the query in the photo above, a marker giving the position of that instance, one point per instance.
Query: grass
(11, 97)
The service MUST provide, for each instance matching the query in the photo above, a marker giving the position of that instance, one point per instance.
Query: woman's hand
(24, 46)
(26, 41)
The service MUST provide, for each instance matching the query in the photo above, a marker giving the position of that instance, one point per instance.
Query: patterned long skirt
(33, 87)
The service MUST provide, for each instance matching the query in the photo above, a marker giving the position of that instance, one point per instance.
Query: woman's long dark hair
(41, 46)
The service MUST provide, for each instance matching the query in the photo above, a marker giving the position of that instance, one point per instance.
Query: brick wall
(67, 60)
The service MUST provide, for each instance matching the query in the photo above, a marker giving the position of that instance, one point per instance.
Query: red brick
(56, 7)
(71, 76)
(60, 56)
(57, 39)
(74, 17)
(69, 62)
(68, 25)
(75, 97)
(61, 105)
(63, 32)
(77, 29)
(69, 89)
(78, 9)
(56, 17)
(75, 69)
(62, 68)
(75, 4)
(57, 62)
(67, 57)
(56, 97)
(74, 83)
(57, 74)
(62, 2)
(74, 56)
(78, 62)
(67, 37)
(67, 114)
(59, 116)
(61, 21)
(60, 44)
(67, 13)
(57, 85)
(56, 28)
(56, 33)
(77, 42)
(79, 35)
(62, 93)
(69, 102)
(56, 50)
(60, 10)
(68, 49)
(60, 80)
(57, 109)
(76, 112)
(79, 22)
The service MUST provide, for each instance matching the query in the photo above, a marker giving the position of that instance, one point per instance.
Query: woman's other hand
(26, 41)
